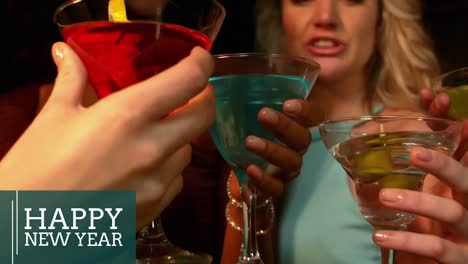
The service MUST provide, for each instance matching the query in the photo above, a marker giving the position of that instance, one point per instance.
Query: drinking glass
(122, 42)
(374, 151)
(455, 84)
(244, 84)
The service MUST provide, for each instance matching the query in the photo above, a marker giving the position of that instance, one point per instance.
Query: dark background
(447, 21)
(30, 33)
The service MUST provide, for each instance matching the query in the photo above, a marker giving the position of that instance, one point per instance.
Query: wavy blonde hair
(402, 64)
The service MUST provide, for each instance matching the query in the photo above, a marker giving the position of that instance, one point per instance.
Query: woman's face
(338, 34)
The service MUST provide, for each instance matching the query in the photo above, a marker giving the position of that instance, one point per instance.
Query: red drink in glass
(119, 54)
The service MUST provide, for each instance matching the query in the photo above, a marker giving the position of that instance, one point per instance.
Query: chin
(331, 74)
(330, 68)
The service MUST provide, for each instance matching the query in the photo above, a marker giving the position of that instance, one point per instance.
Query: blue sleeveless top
(320, 220)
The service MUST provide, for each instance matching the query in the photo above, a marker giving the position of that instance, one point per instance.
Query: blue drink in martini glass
(244, 84)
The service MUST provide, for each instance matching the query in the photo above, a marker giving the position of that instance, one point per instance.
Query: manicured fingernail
(255, 142)
(391, 196)
(269, 116)
(423, 155)
(292, 107)
(58, 51)
(381, 236)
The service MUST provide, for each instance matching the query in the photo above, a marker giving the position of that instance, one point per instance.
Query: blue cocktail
(244, 84)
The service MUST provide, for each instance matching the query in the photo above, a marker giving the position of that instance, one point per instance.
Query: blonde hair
(402, 64)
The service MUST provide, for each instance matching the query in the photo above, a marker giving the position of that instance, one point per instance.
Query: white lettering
(94, 217)
(28, 238)
(42, 239)
(29, 218)
(116, 237)
(80, 238)
(58, 218)
(92, 239)
(113, 217)
(57, 237)
(76, 217)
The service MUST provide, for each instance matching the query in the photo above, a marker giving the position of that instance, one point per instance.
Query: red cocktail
(129, 44)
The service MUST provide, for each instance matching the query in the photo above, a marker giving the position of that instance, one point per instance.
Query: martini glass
(374, 151)
(244, 84)
(122, 42)
(455, 84)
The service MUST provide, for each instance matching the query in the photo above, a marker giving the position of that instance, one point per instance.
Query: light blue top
(320, 221)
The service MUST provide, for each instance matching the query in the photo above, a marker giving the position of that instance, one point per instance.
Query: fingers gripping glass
(374, 151)
(244, 84)
(122, 42)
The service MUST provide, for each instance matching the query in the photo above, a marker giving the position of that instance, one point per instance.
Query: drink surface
(382, 160)
(458, 102)
(119, 54)
(239, 98)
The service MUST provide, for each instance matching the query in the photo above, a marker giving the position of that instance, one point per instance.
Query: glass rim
(267, 55)
(445, 74)
(384, 117)
(68, 3)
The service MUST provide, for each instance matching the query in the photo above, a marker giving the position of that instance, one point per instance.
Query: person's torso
(320, 221)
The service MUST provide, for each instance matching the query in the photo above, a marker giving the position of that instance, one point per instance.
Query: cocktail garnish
(372, 165)
(116, 9)
(401, 181)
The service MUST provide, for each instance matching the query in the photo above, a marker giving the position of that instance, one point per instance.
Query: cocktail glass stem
(249, 250)
(385, 254)
(152, 240)
(153, 247)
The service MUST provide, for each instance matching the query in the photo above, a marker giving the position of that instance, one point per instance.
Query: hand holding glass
(374, 151)
(133, 42)
(455, 85)
(244, 84)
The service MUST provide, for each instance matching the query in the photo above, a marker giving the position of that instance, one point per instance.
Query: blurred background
(445, 20)
(29, 25)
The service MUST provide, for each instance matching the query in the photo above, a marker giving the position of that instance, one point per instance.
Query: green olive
(372, 165)
(401, 181)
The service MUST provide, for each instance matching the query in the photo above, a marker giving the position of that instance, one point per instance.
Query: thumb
(72, 76)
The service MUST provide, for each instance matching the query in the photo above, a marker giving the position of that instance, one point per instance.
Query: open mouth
(325, 46)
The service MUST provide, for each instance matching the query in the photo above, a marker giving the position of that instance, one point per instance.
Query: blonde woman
(375, 57)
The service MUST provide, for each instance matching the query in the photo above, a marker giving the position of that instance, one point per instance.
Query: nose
(325, 14)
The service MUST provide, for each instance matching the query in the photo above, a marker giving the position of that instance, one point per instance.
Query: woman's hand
(437, 106)
(440, 231)
(291, 128)
(135, 139)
